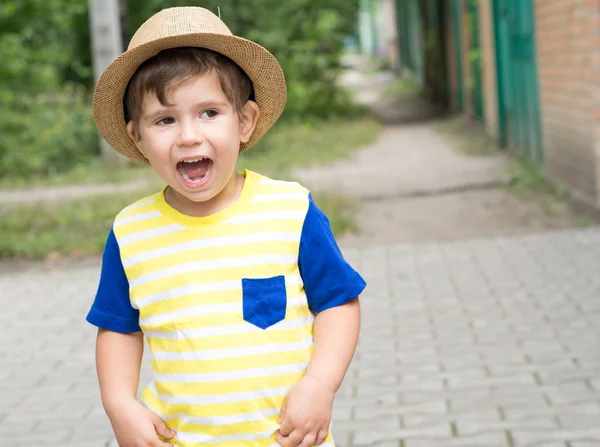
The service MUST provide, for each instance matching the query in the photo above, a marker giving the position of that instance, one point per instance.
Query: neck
(228, 195)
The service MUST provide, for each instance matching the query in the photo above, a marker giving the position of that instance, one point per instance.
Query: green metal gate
(476, 82)
(402, 27)
(411, 40)
(367, 28)
(518, 99)
(457, 30)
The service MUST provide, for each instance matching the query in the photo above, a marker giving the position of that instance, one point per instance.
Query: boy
(249, 309)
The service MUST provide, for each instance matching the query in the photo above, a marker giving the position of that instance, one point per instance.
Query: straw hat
(185, 27)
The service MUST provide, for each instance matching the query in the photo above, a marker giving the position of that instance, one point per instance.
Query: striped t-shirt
(226, 303)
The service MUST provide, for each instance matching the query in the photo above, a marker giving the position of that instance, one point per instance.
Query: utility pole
(124, 25)
(105, 31)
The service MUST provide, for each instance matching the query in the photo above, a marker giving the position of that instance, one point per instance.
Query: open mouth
(195, 170)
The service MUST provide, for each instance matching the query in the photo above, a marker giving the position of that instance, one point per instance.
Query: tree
(46, 75)
(306, 37)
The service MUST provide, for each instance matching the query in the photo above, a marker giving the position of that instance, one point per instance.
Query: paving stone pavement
(476, 343)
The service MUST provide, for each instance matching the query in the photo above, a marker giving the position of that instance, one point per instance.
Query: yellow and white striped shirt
(226, 303)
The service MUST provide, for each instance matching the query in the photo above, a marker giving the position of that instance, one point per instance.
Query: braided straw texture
(182, 27)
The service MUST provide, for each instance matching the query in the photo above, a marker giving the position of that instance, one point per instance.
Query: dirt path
(66, 192)
(413, 186)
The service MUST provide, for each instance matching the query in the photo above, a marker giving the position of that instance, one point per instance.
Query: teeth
(188, 178)
(193, 160)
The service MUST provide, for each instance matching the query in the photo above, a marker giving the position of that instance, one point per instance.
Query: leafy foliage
(306, 38)
(46, 75)
(46, 135)
(41, 43)
(79, 226)
(47, 126)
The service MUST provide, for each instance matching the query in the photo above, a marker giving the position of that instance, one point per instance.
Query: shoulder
(135, 217)
(284, 192)
(270, 184)
(135, 212)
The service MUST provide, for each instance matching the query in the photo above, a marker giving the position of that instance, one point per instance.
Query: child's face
(194, 143)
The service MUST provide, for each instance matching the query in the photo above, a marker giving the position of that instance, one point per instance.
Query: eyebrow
(167, 110)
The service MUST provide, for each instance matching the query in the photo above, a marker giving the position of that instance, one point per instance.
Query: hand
(136, 426)
(306, 414)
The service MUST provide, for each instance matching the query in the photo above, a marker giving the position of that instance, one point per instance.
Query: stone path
(485, 342)
(482, 342)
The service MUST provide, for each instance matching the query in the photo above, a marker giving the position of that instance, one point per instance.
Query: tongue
(197, 169)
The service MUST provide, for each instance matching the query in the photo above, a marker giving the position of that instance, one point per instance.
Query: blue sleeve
(112, 308)
(329, 280)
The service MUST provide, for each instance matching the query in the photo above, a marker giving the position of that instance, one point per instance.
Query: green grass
(584, 222)
(80, 227)
(467, 136)
(71, 228)
(339, 210)
(283, 147)
(528, 177)
(403, 87)
(291, 146)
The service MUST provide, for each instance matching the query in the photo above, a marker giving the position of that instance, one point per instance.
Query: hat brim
(258, 63)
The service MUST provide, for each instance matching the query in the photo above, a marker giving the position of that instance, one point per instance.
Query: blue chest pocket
(264, 300)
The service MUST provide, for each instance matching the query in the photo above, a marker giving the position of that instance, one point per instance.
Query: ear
(135, 137)
(248, 119)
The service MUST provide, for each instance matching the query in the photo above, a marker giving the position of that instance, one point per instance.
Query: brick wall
(568, 46)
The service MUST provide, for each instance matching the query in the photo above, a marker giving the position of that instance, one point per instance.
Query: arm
(335, 338)
(119, 349)
(306, 414)
(332, 287)
(118, 362)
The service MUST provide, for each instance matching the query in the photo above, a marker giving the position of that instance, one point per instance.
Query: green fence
(456, 14)
(518, 97)
(476, 81)
(411, 39)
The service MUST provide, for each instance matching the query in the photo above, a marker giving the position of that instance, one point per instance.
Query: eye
(165, 121)
(207, 114)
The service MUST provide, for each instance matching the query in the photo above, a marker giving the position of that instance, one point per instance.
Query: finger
(309, 440)
(295, 438)
(286, 426)
(283, 412)
(281, 440)
(161, 428)
(322, 437)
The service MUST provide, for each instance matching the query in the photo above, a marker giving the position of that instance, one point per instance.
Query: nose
(189, 133)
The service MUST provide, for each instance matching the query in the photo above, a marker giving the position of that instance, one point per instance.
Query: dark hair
(176, 65)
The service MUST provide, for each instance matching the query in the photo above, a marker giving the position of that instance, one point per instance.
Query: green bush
(307, 40)
(45, 135)
(47, 126)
